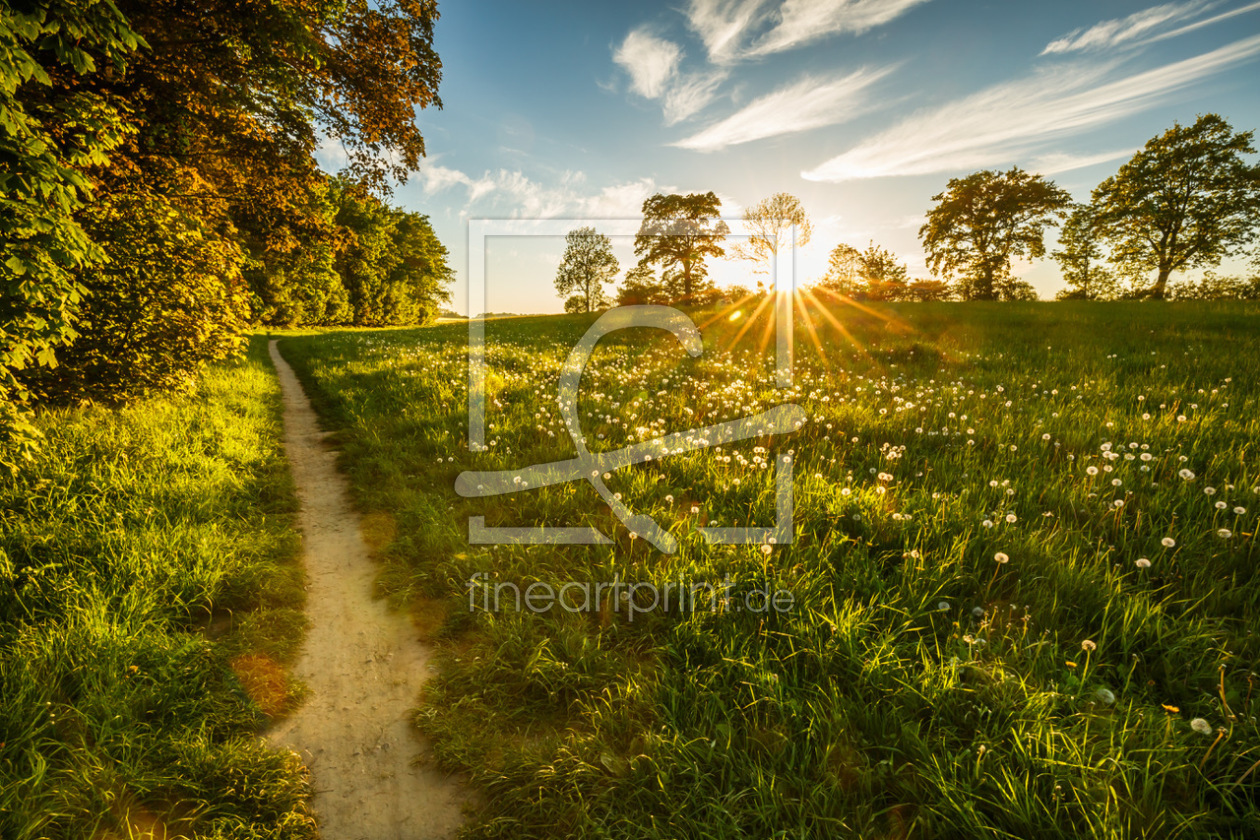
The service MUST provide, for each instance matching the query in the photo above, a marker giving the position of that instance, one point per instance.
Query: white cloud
(732, 30)
(803, 21)
(808, 103)
(691, 93)
(650, 61)
(1199, 24)
(519, 196)
(1111, 33)
(1000, 123)
(1055, 162)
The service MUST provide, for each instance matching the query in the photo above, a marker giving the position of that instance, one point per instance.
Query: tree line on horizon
(160, 191)
(1187, 200)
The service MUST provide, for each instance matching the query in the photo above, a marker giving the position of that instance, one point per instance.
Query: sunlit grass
(147, 583)
(1023, 566)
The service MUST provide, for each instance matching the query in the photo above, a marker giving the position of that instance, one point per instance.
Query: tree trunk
(1160, 290)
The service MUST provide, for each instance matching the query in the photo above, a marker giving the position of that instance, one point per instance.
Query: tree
(929, 291)
(983, 221)
(1186, 200)
(168, 299)
(843, 269)
(640, 287)
(391, 262)
(883, 278)
(587, 265)
(50, 135)
(678, 233)
(1080, 258)
(771, 221)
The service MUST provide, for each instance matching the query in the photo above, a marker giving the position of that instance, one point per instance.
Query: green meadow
(1023, 572)
(150, 597)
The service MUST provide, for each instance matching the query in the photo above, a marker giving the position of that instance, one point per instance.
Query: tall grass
(149, 597)
(989, 638)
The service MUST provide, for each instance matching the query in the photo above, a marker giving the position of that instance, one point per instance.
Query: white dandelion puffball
(1168, 542)
(1201, 726)
(1001, 557)
(943, 606)
(1142, 563)
(1088, 645)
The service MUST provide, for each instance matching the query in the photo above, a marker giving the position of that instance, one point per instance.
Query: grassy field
(149, 597)
(1024, 573)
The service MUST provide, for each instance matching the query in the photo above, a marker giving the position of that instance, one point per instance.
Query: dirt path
(363, 663)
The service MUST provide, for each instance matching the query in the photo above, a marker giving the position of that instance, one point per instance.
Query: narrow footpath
(363, 663)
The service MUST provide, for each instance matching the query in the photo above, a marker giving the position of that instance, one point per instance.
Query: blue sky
(861, 108)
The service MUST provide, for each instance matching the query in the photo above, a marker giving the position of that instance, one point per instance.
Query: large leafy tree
(984, 220)
(1081, 258)
(51, 131)
(678, 233)
(771, 222)
(1188, 199)
(226, 101)
(390, 260)
(588, 264)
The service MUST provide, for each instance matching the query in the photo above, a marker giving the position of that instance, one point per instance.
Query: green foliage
(48, 135)
(391, 262)
(1186, 200)
(1213, 286)
(1080, 258)
(983, 221)
(873, 274)
(868, 709)
(168, 300)
(640, 287)
(145, 555)
(588, 264)
(678, 233)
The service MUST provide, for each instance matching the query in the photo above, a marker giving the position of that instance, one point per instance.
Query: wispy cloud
(732, 30)
(1199, 24)
(690, 93)
(653, 66)
(650, 61)
(1113, 33)
(1055, 162)
(1002, 122)
(520, 196)
(807, 103)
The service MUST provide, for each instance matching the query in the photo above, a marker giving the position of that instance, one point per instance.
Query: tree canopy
(588, 264)
(679, 232)
(161, 189)
(984, 220)
(771, 222)
(1187, 199)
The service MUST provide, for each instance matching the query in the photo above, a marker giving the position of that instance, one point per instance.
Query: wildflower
(978, 612)
(1001, 557)
(943, 606)
(1105, 696)
(1092, 470)
(988, 523)
(1010, 517)
(1201, 726)
(1168, 542)
(1188, 475)
(1210, 491)
(1240, 510)
(1224, 533)
(1142, 563)
(1088, 646)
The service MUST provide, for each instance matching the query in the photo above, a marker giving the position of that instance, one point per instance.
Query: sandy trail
(363, 663)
